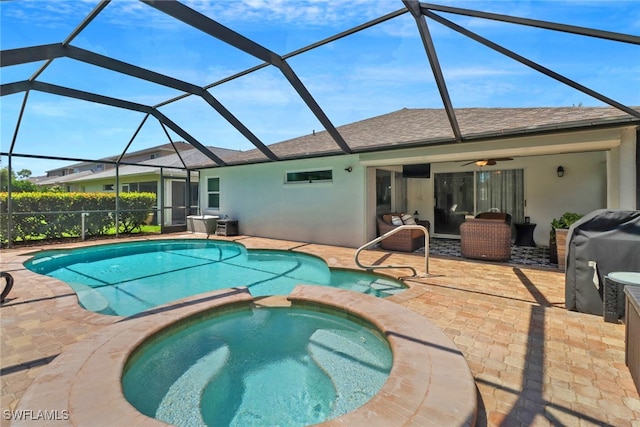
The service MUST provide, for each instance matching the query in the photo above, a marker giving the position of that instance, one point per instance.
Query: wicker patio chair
(495, 215)
(403, 241)
(486, 239)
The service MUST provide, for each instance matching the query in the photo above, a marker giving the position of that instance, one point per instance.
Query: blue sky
(376, 71)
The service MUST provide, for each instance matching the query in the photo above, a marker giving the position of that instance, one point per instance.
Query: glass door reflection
(453, 201)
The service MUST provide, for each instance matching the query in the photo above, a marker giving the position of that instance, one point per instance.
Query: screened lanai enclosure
(141, 96)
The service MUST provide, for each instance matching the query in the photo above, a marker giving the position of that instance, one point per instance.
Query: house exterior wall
(599, 173)
(91, 186)
(599, 168)
(326, 213)
(622, 172)
(97, 186)
(582, 189)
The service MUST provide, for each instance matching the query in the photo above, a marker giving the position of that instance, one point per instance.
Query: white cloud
(265, 87)
(58, 108)
(475, 72)
(297, 13)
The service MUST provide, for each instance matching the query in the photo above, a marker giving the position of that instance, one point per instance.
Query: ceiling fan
(488, 162)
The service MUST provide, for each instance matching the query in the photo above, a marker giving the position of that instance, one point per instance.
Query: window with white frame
(309, 176)
(213, 193)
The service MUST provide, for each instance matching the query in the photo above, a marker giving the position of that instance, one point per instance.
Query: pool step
(189, 387)
(353, 381)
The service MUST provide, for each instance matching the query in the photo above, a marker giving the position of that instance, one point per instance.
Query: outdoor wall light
(348, 169)
(560, 171)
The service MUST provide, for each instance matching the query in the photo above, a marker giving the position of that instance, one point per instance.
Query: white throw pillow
(396, 220)
(408, 219)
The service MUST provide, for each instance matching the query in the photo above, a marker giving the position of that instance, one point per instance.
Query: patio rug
(535, 256)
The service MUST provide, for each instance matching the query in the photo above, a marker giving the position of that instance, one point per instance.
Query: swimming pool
(127, 278)
(261, 366)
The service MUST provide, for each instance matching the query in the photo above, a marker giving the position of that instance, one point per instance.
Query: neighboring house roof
(172, 162)
(65, 179)
(415, 127)
(168, 147)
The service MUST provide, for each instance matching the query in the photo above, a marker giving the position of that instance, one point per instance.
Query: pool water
(127, 278)
(258, 367)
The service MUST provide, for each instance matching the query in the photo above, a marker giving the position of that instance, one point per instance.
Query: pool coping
(430, 382)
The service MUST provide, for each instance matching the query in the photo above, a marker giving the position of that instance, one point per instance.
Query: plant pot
(561, 242)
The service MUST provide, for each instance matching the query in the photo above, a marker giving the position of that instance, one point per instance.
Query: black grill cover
(611, 239)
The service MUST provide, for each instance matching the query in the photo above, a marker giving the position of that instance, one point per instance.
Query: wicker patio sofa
(486, 239)
(404, 241)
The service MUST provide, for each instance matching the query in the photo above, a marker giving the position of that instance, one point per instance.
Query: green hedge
(57, 215)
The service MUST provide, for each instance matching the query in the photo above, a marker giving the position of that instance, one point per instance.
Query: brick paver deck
(534, 363)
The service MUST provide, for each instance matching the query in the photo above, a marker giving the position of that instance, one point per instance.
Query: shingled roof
(415, 127)
(406, 128)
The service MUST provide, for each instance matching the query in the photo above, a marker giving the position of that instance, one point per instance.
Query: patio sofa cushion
(486, 239)
(408, 219)
(396, 220)
(406, 240)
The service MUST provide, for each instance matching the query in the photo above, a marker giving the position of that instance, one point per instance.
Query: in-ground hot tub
(429, 383)
(259, 366)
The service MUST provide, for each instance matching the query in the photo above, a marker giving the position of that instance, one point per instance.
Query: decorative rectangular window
(309, 176)
(213, 193)
(108, 187)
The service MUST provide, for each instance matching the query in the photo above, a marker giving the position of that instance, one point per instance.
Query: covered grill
(601, 242)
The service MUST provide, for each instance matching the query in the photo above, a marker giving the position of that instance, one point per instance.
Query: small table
(426, 224)
(227, 227)
(613, 293)
(524, 233)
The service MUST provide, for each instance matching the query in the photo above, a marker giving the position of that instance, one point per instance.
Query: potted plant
(558, 237)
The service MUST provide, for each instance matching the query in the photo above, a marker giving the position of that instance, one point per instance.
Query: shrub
(56, 215)
(134, 210)
(565, 221)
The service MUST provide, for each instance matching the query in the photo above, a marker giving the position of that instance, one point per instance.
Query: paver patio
(534, 363)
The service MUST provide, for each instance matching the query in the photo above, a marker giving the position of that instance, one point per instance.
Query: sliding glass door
(459, 194)
(391, 192)
(453, 200)
(501, 191)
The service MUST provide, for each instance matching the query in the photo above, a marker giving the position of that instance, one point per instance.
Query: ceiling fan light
(482, 162)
